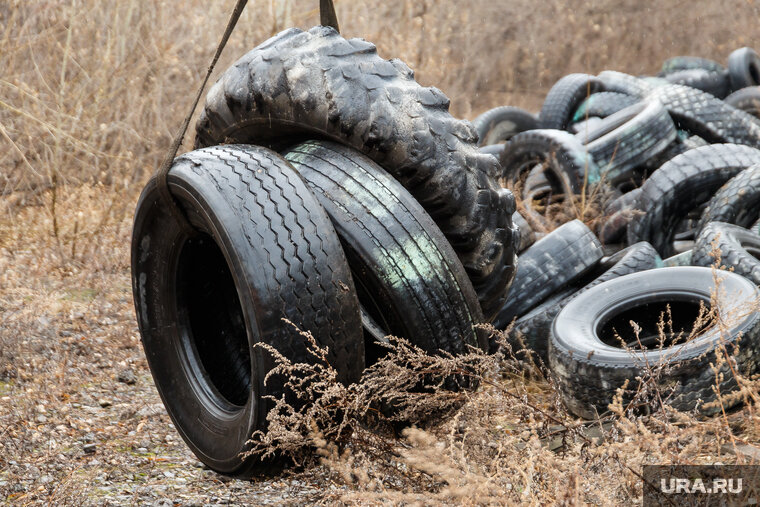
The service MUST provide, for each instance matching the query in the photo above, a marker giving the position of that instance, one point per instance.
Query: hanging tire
(701, 114)
(264, 250)
(628, 138)
(555, 261)
(679, 63)
(737, 202)
(715, 83)
(407, 277)
(564, 98)
(602, 105)
(317, 85)
(737, 247)
(746, 99)
(534, 328)
(502, 123)
(744, 68)
(681, 185)
(589, 364)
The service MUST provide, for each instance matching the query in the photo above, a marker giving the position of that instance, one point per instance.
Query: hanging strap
(162, 173)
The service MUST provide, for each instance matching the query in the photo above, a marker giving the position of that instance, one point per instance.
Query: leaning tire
(628, 138)
(736, 245)
(502, 123)
(553, 262)
(681, 185)
(737, 202)
(744, 68)
(589, 365)
(407, 276)
(316, 84)
(264, 251)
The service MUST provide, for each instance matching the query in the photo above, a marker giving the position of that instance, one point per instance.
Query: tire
(502, 123)
(679, 63)
(492, 149)
(744, 68)
(682, 259)
(564, 98)
(407, 277)
(626, 201)
(555, 261)
(628, 138)
(737, 202)
(564, 157)
(534, 329)
(603, 104)
(584, 126)
(317, 85)
(589, 366)
(715, 83)
(737, 247)
(701, 114)
(265, 251)
(615, 227)
(682, 184)
(620, 82)
(746, 99)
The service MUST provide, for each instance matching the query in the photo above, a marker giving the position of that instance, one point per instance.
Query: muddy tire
(407, 277)
(264, 250)
(502, 123)
(555, 261)
(317, 85)
(589, 364)
(682, 185)
(564, 98)
(737, 246)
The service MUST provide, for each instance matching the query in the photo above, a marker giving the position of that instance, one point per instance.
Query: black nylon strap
(163, 171)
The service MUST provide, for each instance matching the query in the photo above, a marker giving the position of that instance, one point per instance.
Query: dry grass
(90, 96)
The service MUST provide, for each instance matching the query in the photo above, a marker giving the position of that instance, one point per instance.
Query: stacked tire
(672, 164)
(328, 193)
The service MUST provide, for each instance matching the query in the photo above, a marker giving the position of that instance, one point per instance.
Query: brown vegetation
(91, 93)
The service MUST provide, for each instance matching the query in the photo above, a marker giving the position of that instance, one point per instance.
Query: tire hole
(211, 321)
(671, 322)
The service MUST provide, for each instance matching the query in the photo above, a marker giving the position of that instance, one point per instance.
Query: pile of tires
(672, 163)
(329, 193)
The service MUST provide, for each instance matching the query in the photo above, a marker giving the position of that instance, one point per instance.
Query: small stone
(41, 419)
(89, 448)
(127, 377)
(105, 403)
(168, 475)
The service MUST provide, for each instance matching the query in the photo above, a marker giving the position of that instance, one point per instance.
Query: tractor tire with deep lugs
(262, 250)
(407, 276)
(307, 85)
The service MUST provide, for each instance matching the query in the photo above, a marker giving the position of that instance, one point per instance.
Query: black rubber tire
(746, 99)
(584, 126)
(492, 149)
(618, 215)
(565, 160)
(683, 143)
(502, 123)
(407, 276)
(527, 235)
(710, 118)
(603, 104)
(679, 63)
(534, 328)
(564, 98)
(744, 68)
(682, 184)
(317, 85)
(264, 251)
(738, 247)
(620, 82)
(625, 201)
(588, 370)
(628, 138)
(716, 84)
(737, 202)
(555, 261)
